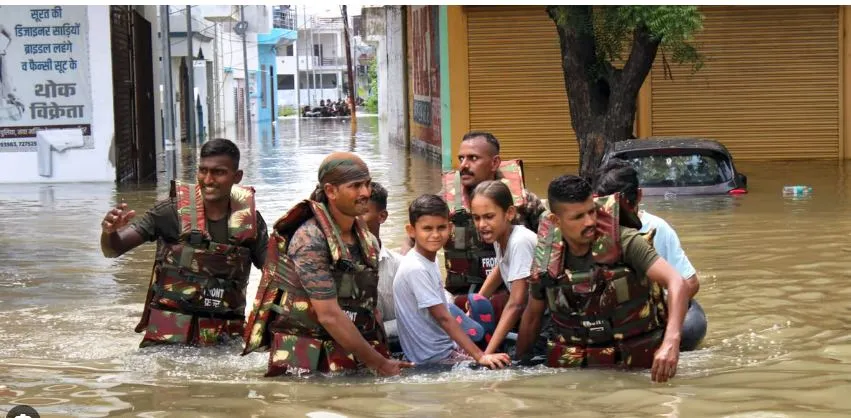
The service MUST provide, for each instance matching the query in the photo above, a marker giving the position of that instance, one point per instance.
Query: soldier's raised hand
(117, 218)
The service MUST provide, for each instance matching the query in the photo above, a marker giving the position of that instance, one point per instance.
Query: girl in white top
(493, 209)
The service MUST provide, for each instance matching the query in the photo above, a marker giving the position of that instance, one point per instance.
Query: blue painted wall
(268, 71)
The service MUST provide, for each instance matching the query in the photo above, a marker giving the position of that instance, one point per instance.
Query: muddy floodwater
(775, 282)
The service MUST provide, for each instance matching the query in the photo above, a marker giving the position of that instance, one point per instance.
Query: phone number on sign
(17, 143)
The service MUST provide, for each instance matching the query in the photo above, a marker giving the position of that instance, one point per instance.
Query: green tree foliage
(372, 75)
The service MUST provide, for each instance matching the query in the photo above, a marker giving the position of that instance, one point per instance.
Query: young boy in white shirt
(429, 333)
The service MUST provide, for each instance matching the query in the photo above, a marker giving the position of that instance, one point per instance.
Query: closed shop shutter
(769, 89)
(517, 86)
(126, 169)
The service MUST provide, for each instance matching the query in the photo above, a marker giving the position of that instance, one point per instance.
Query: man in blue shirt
(619, 176)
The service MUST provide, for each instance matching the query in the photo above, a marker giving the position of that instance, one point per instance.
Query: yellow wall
(458, 77)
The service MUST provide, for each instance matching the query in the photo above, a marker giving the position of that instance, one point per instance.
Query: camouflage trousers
(301, 355)
(633, 353)
(168, 327)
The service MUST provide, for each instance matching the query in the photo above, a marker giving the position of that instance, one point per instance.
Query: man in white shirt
(619, 176)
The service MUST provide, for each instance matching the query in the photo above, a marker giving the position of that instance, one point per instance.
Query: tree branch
(641, 56)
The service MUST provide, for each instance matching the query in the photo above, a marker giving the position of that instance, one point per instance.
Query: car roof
(670, 143)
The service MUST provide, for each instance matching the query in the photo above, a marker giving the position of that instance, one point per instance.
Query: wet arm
(443, 318)
(119, 242)
(311, 260)
(510, 314)
(663, 273)
(692, 286)
(148, 227)
(491, 283)
(530, 325)
(343, 331)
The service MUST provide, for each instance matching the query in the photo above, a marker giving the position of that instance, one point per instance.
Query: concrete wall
(232, 62)
(386, 27)
(75, 164)
(331, 44)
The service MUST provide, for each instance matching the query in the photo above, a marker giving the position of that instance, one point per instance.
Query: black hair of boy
(427, 205)
(378, 196)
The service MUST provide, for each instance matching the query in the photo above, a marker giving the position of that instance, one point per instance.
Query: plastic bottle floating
(797, 190)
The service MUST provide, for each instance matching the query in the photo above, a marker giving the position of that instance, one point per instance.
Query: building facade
(773, 86)
(77, 97)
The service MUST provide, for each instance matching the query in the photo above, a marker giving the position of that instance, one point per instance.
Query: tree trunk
(352, 93)
(601, 97)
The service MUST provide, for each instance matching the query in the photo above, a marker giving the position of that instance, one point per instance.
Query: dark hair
(494, 190)
(617, 175)
(425, 205)
(378, 196)
(221, 146)
(489, 138)
(568, 189)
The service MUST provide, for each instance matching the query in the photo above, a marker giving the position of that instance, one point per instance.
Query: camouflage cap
(342, 167)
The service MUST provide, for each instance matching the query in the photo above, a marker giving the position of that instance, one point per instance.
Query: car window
(678, 170)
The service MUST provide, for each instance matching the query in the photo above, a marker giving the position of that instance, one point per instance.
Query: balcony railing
(319, 62)
(283, 18)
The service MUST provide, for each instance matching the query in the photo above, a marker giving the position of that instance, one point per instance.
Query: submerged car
(682, 166)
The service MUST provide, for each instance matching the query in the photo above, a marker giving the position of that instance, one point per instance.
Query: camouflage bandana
(342, 167)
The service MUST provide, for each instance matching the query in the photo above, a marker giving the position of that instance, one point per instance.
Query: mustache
(589, 229)
(466, 172)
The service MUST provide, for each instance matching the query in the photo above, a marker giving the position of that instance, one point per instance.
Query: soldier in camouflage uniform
(315, 308)
(602, 283)
(470, 261)
(208, 234)
(618, 176)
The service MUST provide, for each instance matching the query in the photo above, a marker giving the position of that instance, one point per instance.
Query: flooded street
(774, 277)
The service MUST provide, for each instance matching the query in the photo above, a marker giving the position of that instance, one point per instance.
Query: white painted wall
(231, 57)
(287, 65)
(78, 165)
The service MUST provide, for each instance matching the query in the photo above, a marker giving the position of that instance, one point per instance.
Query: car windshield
(679, 170)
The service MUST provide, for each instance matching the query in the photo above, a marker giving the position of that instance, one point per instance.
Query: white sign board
(44, 74)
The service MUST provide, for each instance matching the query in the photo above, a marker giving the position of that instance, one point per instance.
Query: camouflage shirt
(161, 221)
(638, 254)
(308, 249)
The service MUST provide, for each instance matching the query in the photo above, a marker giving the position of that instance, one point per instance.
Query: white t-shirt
(388, 264)
(516, 262)
(417, 287)
(667, 243)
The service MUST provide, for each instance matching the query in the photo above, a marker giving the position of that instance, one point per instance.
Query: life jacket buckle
(196, 238)
(598, 330)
